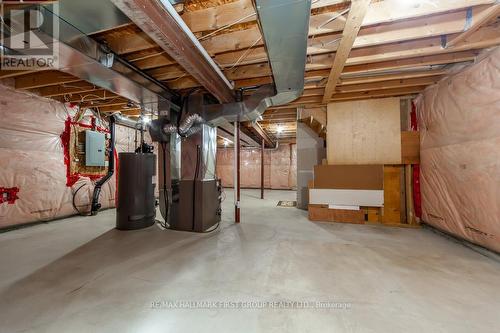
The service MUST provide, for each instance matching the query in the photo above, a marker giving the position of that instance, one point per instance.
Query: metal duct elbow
(286, 46)
(127, 122)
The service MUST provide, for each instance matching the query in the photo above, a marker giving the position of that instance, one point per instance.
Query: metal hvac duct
(286, 46)
(83, 57)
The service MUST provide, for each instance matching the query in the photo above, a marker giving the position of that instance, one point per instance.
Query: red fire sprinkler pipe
(237, 172)
(262, 170)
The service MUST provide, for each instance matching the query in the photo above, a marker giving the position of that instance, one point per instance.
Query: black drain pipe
(111, 168)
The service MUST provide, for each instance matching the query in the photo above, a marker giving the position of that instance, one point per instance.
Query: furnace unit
(196, 194)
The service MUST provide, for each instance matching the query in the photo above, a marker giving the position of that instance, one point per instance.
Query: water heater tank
(136, 189)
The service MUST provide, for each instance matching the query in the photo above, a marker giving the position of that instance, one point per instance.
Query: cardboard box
(349, 177)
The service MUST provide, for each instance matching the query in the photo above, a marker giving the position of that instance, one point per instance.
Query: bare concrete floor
(81, 275)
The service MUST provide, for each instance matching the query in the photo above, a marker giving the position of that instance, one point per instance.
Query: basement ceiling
(401, 48)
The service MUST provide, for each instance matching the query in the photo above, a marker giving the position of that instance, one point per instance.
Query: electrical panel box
(95, 148)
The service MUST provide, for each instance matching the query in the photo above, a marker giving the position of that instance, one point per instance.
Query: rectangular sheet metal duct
(81, 56)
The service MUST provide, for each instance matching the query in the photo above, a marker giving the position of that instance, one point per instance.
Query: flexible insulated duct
(188, 126)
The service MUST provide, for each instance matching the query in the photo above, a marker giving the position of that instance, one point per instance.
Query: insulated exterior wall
(32, 159)
(460, 153)
(280, 167)
(364, 132)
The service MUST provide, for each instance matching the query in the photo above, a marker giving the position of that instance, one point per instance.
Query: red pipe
(417, 195)
(237, 180)
(262, 170)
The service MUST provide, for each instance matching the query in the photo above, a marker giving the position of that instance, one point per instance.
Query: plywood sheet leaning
(392, 195)
(364, 132)
(410, 147)
(321, 213)
(349, 177)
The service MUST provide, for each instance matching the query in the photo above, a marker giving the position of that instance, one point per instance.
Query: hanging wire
(226, 26)
(68, 85)
(246, 53)
(148, 56)
(331, 19)
(332, 41)
(180, 77)
(83, 98)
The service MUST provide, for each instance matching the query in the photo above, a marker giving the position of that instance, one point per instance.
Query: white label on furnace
(153, 179)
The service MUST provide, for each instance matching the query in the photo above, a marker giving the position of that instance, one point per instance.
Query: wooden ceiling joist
(427, 27)
(6, 74)
(317, 101)
(69, 89)
(387, 84)
(224, 135)
(278, 113)
(246, 140)
(377, 93)
(364, 79)
(240, 11)
(489, 14)
(255, 71)
(250, 75)
(348, 80)
(448, 58)
(162, 27)
(122, 107)
(91, 96)
(117, 102)
(132, 43)
(158, 60)
(358, 10)
(257, 128)
(382, 12)
(388, 11)
(400, 30)
(398, 51)
(48, 78)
